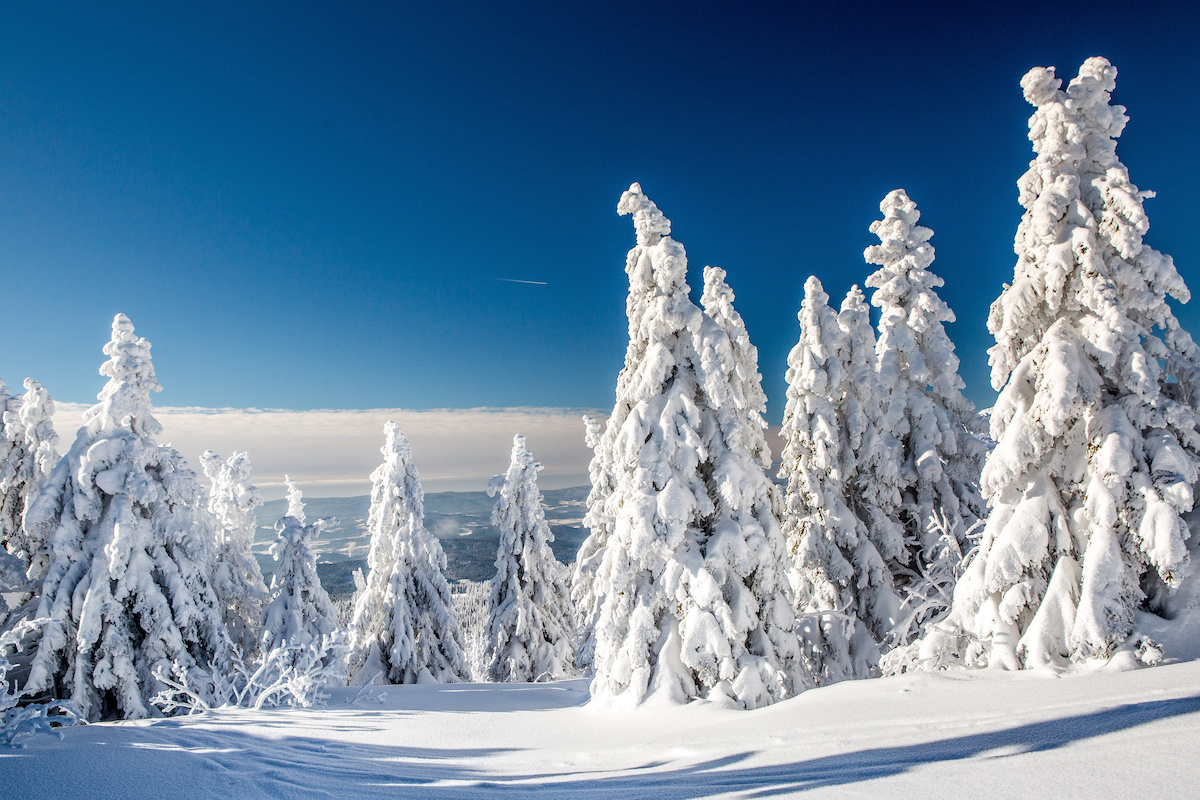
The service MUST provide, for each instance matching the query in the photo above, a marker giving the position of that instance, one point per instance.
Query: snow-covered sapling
(237, 578)
(529, 634)
(404, 627)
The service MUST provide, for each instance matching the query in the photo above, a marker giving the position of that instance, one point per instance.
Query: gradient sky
(313, 205)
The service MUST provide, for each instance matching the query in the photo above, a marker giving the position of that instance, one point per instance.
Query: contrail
(515, 280)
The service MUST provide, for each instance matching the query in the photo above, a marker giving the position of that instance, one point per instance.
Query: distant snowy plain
(980, 734)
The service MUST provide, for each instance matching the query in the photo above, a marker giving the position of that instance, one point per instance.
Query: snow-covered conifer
(529, 631)
(1096, 424)
(298, 611)
(127, 589)
(843, 587)
(295, 500)
(29, 452)
(939, 432)
(587, 561)
(744, 377)
(690, 588)
(404, 623)
(237, 579)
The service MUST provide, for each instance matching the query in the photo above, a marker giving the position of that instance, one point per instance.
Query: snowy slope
(1111, 734)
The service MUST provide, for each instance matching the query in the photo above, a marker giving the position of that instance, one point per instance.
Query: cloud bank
(331, 453)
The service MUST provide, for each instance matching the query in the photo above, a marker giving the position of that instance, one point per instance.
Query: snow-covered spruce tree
(530, 631)
(29, 448)
(127, 588)
(842, 586)
(940, 434)
(404, 623)
(691, 586)
(237, 579)
(1096, 423)
(298, 612)
(295, 500)
(744, 377)
(587, 561)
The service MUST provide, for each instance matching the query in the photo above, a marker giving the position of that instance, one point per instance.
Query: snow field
(977, 734)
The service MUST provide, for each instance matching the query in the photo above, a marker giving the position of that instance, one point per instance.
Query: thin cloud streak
(517, 280)
(332, 452)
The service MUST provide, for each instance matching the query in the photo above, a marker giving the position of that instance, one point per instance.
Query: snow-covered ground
(982, 734)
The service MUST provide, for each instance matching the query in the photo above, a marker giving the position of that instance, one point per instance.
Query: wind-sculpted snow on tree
(298, 612)
(28, 452)
(843, 587)
(237, 579)
(529, 633)
(691, 592)
(939, 432)
(127, 589)
(404, 624)
(1097, 445)
(744, 377)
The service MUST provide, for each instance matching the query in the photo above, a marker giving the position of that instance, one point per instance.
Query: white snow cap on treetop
(125, 399)
(648, 221)
(897, 229)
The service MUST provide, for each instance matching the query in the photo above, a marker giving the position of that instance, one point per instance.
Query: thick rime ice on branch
(237, 579)
(404, 624)
(940, 435)
(1097, 445)
(843, 587)
(529, 634)
(686, 560)
(127, 588)
(297, 612)
(28, 452)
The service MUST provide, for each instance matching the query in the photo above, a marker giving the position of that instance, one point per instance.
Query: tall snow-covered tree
(298, 612)
(690, 588)
(530, 631)
(939, 432)
(237, 579)
(744, 377)
(843, 587)
(29, 448)
(1096, 424)
(127, 588)
(404, 623)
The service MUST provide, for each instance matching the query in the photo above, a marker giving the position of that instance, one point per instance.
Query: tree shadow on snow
(716, 777)
(173, 757)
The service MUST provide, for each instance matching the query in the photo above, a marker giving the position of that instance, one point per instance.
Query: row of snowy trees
(137, 588)
(700, 579)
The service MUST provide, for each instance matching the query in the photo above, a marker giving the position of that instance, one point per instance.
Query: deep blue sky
(308, 205)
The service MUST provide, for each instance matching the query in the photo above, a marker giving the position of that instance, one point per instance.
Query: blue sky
(311, 205)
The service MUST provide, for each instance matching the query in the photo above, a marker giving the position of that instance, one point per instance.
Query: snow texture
(686, 561)
(530, 628)
(127, 589)
(237, 579)
(404, 628)
(1097, 446)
